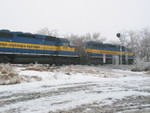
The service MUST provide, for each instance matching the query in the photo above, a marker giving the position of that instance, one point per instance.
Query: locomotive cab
(64, 48)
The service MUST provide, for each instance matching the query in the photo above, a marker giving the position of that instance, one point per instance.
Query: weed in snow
(8, 75)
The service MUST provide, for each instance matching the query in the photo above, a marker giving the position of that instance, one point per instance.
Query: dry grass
(25, 78)
(37, 68)
(8, 75)
(148, 72)
(15, 79)
(136, 69)
(10, 78)
(6, 68)
(69, 70)
(40, 67)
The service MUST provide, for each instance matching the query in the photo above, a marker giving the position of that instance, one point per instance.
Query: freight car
(19, 47)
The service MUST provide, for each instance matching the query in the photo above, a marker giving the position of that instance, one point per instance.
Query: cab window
(26, 35)
(65, 44)
(6, 35)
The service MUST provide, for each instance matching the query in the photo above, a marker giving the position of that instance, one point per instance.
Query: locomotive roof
(63, 39)
(4, 30)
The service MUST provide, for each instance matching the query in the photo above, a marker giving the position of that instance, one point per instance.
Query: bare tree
(140, 43)
(94, 37)
(145, 44)
(80, 43)
(134, 42)
(47, 31)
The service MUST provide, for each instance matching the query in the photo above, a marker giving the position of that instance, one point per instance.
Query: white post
(120, 54)
(126, 56)
(104, 58)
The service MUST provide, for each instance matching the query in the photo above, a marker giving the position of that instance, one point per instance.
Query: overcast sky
(75, 16)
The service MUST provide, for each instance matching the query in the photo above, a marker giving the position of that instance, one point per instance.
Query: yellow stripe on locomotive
(108, 52)
(35, 46)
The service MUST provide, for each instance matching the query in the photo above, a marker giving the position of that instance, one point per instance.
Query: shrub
(140, 65)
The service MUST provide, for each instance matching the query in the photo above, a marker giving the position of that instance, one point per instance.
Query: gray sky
(75, 16)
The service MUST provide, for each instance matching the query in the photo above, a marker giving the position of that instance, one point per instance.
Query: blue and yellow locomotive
(19, 47)
(100, 53)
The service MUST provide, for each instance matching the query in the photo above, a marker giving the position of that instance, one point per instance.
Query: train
(20, 47)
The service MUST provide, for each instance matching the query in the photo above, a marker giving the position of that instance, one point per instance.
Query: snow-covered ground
(77, 89)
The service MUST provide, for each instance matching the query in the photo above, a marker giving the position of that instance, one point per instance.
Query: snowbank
(14, 74)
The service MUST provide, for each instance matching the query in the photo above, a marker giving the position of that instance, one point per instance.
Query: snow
(59, 90)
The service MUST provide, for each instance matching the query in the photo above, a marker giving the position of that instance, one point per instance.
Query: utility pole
(119, 37)
(122, 40)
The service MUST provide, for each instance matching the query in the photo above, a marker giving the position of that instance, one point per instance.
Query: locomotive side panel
(107, 53)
